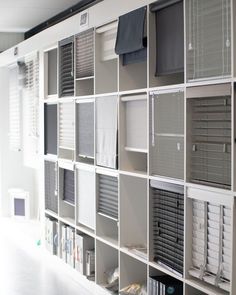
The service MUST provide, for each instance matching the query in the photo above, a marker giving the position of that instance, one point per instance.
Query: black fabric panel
(160, 4)
(134, 57)
(170, 40)
(69, 186)
(50, 129)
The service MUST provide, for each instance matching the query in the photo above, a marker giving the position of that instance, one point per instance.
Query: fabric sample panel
(50, 129)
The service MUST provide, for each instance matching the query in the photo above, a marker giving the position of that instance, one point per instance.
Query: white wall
(7, 40)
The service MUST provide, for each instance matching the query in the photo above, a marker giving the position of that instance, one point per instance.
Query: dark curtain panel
(50, 129)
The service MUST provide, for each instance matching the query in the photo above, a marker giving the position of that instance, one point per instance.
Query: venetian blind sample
(131, 42)
(66, 67)
(169, 36)
(50, 129)
(208, 39)
(51, 198)
(52, 72)
(85, 127)
(108, 196)
(68, 186)
(167, 130)
(66, 125)
(106, 131)
(168, 225)
(85, 54)
(211, 244)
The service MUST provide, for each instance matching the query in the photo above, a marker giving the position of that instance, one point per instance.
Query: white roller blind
(66, 125)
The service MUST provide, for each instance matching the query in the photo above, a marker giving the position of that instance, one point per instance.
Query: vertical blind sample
(167, 142)
(15, 110)
(168, 225)
(108, 40)
(108, 196)
(52, 72)
(208, 39)
(66, 67)
(50, 129)
(131, 42)
(66, 125)
(85, 54)
(211, 244)
(211, 139)
(68, 186)
(50, 174)
(169, 36)
(106, 131)
(85, 127)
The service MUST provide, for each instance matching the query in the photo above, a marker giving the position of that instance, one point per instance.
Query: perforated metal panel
(50, 174)
(68, 186)
(108, 195)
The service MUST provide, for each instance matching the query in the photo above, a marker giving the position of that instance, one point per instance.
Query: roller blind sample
(52, 72)
(51, 197)
(68, 186)
(66, 125)
(106, 131)
(169, 37)
(131, 41)
(50, 129)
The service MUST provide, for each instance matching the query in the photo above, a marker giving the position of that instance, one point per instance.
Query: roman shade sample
(136, 122)
(208, 39)
(169, 36)
(108, 196)
(68, 186)
(106, 131)
(85, 54)
(210, 136)
(168, 225)
(131, 41)
(66, 67)
(52, 72)
(108, 34)
(211, 243)
(167, 134)
(50, 129)
(50, 176)
(85, 129)
(66, 125)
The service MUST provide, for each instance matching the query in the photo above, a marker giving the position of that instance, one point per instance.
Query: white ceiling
(22, 15)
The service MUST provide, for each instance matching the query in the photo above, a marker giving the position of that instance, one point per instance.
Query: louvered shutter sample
(66, 67)
(85, 129)
(85, 54)
(208, 39)
(15, 110)
(168, 225)
(167, 130)
(108, 196)
(68, 186)
(211, 243)
(51, 197)
(66, 125)
(50, 129)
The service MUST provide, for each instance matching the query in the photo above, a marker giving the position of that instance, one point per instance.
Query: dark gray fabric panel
(170, 40)
(19, 207)
(50, 129)
(52, 72)
(134, 57)
(160, 4)
(69, 186)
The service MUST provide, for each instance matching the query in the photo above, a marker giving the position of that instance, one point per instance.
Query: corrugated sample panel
(66, 125)
(51, 198)
(69, 186)
(108, 195)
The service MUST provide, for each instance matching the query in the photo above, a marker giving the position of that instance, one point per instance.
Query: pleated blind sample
(167, 134)
(50, 175)
(108, 196)
(66, 67)
(131, 41)
(15, 110)
(208, 39)
(85, 127)
(211, 243)
(85, 54)
(50, 129)
(106, 131)
(68, 186)
(211, 140)
(169, 37)
(66, 125)
(108, 40)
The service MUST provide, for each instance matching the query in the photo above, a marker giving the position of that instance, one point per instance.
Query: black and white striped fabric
(51, 197)
(69, 186)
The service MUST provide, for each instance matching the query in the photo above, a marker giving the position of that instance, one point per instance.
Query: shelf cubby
(189, 290)
(51, 73)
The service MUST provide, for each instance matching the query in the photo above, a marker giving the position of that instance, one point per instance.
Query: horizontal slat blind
(211, 243)
(66, 67)
(85, 54)
(208, 39)
(69, 186)
(168, 228)
(211, 140)
(51, 198)
(108, 195)
(66, 125)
